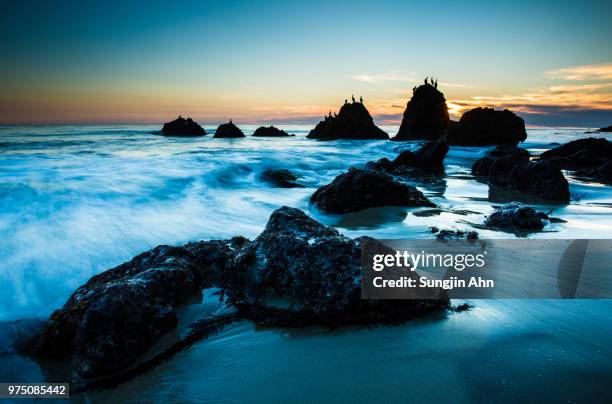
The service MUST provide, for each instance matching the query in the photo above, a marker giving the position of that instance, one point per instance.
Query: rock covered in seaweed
(517, 217)
(316, 271)
(360, 189)
(228, 130)
(182, 127)
(487, 126)
(116, 316)
(352, 122)
(270, 131)
(426, 115)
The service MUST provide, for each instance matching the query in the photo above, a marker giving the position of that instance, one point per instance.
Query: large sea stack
(228, 130)
(352, 122)
(426, 115)
(182, 127)
(486, 127)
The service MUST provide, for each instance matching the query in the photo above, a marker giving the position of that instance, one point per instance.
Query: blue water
(77, 200)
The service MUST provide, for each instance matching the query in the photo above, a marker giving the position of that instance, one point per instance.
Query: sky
(291, 62)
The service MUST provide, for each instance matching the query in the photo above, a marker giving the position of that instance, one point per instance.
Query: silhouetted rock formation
(429, 159)
(352, 122)
(182, 127)
(606, 129)
(426, 115)
(270, 131)
(487, 126)
(516, 217)
(601, 174)
(360, 189)
(119, 314)
(280, 178)
(317, 270)
(481, 166)
(228, 130)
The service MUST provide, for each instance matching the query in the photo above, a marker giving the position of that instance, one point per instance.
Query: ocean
(76, 200)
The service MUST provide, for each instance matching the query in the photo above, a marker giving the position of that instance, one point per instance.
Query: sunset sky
(291, 62)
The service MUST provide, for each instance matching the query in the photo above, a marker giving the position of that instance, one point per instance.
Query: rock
(182, 127)
(487, 126)
(428, 159)
(270, 131)
(426, 115)
(315, 271)
(516, 216)
(228, 130)
(118, 315)
(511, 178)
(352, 122)
(482, 166)
(446, 234)
(580, 154)
(280, 178)
(606, 129)
(601, 174)
(360, 189)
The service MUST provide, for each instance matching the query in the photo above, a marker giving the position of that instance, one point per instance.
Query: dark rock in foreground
(270, 131)
(428, 159)
(517, 217)
(119, 314)
(352, 122)
(606, 129)
(426, 115)
(316, 271)
(228, 130)
(280, 178)
(182, 127)
(360, 189)
(487, 126)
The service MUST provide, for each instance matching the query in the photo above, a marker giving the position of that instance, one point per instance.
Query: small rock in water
(516, 216)
(270, 131)
(280, 178)
(352, 122)
(360, 189)
(182, 127)
(228, 130)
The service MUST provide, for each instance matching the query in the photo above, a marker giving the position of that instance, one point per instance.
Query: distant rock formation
(270, 131)
(606, 129)
(182, 127)
(352, 122)
(426, 115)
(360, 189)
(280, 178)
(228, 130)
(429, 159)
(486, 127)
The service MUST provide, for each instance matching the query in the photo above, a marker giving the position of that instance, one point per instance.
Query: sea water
(76, 200)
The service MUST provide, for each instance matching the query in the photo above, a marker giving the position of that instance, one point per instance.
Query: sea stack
(182, 127)
(487, 127)
(352, 122)
(426, 115)
(228, 130)
(270, 131)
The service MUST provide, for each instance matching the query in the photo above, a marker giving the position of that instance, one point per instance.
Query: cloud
(582, 73)
(383, 77)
